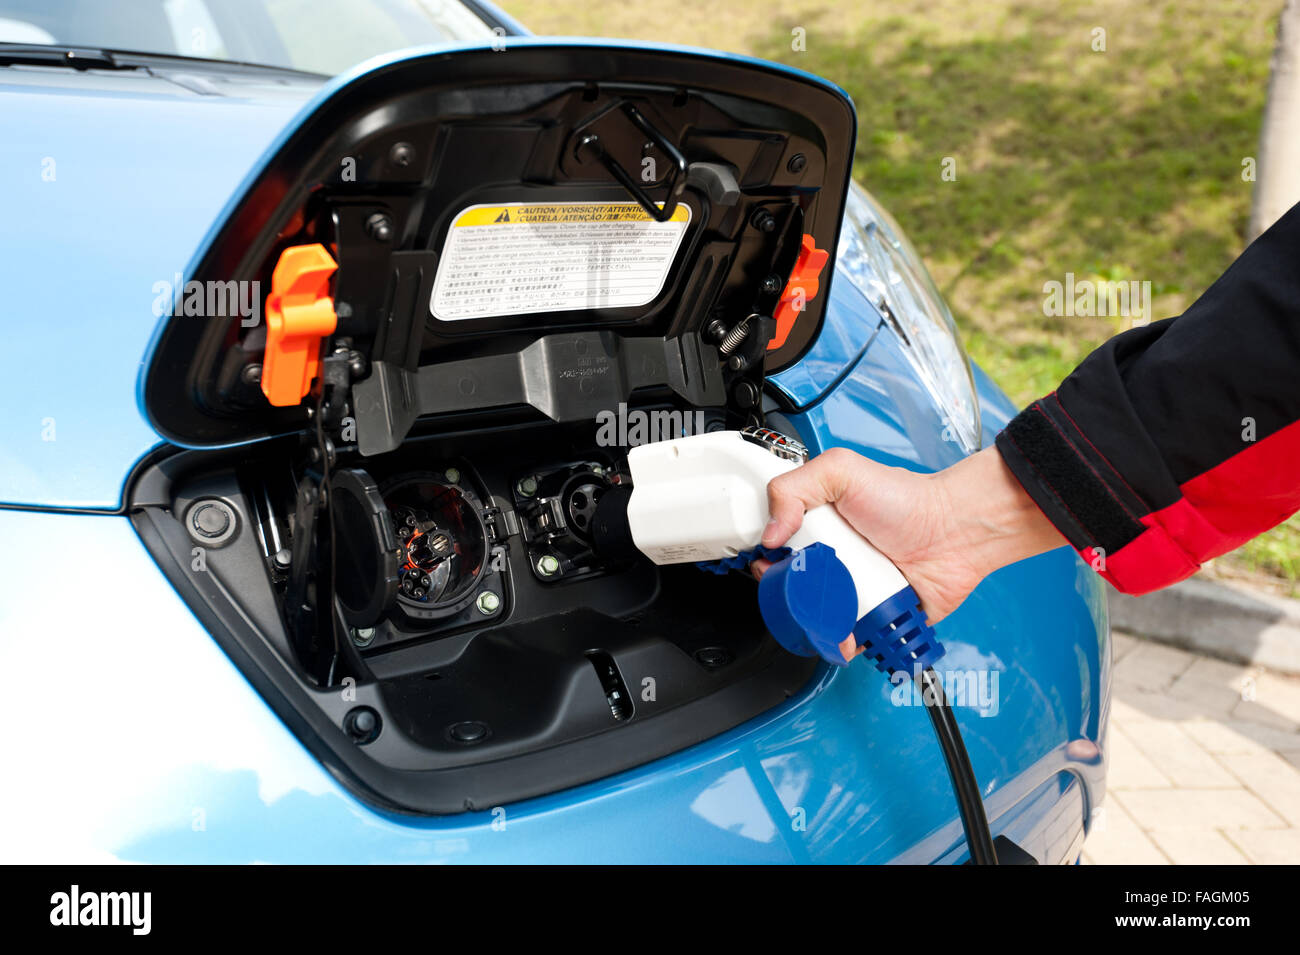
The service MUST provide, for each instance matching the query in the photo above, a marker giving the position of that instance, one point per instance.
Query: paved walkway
(1204, 762)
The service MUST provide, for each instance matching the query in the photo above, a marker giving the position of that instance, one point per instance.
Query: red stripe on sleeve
(1221, 509)
(1253, 490)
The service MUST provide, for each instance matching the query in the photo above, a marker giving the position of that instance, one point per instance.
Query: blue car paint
(152, 745)
(140, 169)
(154, 748)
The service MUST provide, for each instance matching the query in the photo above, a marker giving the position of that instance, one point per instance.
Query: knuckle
(837, 456)
(779, 486)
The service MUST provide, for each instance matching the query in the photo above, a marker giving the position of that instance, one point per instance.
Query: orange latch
(299, 313)
(801, 289)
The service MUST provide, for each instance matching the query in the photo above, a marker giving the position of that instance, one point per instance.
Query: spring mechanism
(734, 337)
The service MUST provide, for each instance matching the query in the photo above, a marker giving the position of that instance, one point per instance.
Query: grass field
(1122, 164)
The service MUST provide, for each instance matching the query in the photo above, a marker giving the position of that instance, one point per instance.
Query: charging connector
(703, 499)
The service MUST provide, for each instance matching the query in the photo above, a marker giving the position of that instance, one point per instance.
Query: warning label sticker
(526, 258)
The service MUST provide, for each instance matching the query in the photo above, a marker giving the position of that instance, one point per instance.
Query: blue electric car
(316, 377)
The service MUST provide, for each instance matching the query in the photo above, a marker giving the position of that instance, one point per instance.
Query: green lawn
(1122, 164)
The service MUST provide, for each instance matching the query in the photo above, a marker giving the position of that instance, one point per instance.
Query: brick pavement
(1204, 762)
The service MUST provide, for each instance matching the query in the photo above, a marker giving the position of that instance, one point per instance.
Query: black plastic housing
(566, 682)
(418, 140)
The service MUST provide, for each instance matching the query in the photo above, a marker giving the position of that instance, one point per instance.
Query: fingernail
(769, 532)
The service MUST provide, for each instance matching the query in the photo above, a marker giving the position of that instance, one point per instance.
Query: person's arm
(1176, 442)
(1171, 444)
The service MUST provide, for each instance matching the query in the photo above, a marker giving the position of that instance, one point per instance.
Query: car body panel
(140, 168)
(149, 745)
(188, 763)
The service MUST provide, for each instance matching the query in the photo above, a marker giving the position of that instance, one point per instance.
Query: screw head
(470, 731)
(746, 393)
(363, 636)
(452, 475)
(528, 486)
(211, 522)
(211, 519)
(548, 565)
(379, 227)
(363, 724)
(488, 602)
(763, 221)
(713, 657)
(771, 284)
(797, 163)
(401, 154)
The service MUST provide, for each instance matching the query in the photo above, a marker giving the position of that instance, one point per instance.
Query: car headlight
(877, 257)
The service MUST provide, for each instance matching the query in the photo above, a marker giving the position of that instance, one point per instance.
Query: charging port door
(366, 548)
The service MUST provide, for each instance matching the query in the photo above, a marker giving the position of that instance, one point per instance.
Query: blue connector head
(809, 603)
(897, 637)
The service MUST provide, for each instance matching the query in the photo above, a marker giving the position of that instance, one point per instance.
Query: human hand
(945, 531)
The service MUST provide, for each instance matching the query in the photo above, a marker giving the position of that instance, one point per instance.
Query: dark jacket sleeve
(1177, 441)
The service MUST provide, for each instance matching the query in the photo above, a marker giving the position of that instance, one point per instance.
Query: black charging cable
(970, 804)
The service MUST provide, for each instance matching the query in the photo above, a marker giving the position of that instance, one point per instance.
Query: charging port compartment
(495, 658)
(480, 274)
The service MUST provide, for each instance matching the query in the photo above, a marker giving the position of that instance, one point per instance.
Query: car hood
(111, 181)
